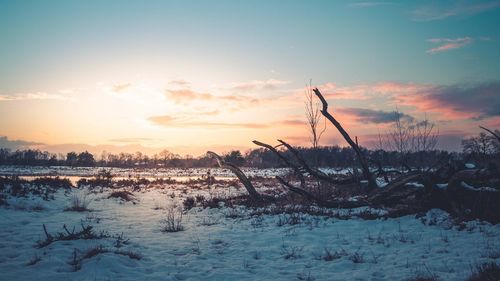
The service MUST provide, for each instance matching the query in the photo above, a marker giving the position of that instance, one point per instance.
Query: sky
(189, 76)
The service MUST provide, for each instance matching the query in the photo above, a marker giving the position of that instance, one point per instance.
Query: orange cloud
(169, 121)
(187, 95)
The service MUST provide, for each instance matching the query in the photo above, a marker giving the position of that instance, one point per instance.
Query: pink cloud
(448, 44)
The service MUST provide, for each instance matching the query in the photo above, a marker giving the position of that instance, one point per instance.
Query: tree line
(477, 149)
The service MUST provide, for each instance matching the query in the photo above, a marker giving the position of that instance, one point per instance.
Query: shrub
(79, 203)
(328, 255)
(189, 203)
(291, 252)
(357, 257)
(173, 220)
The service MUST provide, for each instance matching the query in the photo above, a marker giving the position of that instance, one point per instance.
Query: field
(182, 231)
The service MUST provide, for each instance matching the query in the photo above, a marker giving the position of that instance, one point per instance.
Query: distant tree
(71, 159)
(85, 159)
(411, 139)
(52, 160)
(481, 147)
(166, 156)
(4, 155)
(235, 157)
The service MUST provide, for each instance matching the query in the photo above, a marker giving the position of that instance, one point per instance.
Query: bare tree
(408, 135)
(399, 137)
(313, 116)
(424, 136)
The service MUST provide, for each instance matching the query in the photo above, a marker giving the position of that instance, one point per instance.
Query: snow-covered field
(229, 244)
(135, 172)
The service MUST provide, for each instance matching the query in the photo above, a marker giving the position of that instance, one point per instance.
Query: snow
(470, 187)
(415, 184)
(137, 172)
(214, 246)
(442, 186)
(470, 166)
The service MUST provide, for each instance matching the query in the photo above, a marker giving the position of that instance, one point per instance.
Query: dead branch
(86, 233)
(472, 174)
(312, 171)
(362, 160)
(241, 176)
(297, 190)
(383, 193)
(294, 167)
(491, 132)
(322, 203)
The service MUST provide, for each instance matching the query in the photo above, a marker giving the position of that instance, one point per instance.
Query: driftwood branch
(362, 160)
(241, 176)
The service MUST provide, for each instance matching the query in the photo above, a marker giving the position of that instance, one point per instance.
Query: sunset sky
(195, 75)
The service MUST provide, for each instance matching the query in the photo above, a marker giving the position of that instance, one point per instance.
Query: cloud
(16, 144)
(169, 121)
(460, 9)
(365, 115)
(180, 82)
(269, 84)
(130, 140)
(478, 101)
(120, 87)
(368, 4)
(368, 91)
(31, 96)
(451, 102)
(446, 44)
(188, 95)
(174, 122)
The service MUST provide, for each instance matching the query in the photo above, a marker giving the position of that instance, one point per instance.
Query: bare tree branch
(294, 167)
(241, 176)
(362, 160)
(491, 132)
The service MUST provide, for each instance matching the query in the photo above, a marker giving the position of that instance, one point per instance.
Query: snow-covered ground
(231, 244)
(135, 172)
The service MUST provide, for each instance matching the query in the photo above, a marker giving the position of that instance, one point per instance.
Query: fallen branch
(297, 190)
(86, 233)
(323, 203)
(313, 172)
(384, 193)
(294, 167)
(241, 176)
(362, 160)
